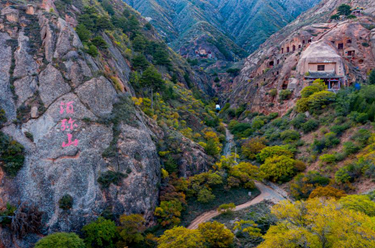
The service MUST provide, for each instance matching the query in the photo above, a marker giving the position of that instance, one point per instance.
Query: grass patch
(237, 196)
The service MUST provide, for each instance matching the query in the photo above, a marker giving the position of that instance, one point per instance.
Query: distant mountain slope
(223, 29)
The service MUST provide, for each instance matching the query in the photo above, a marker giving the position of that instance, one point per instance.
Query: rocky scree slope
(277, 64)
(115, 167)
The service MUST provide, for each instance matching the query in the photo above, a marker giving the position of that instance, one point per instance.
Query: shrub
(339, 129)
(83, 33)
(335, 17)
(100, 233)
(285, 94)
(304, 184)
(303, 105)
(272, 151)
(216, 234)
(273, 92)
(290, 136)
(257, 123)
(60, 240)
(327, 192)
(3, 117)
(328, 158)
(169, 212)
(93, 51)
(310, 90)
(342, 176)
(205, 196)
(180, 237)
(278, 168)
(109, 177)
(310, 125)
(66, 202)
(350, 148)
(99, 42)
(298, 121)
(11, 155)
(226, 208)
(252, 147)
(362, 136)
(140, 62)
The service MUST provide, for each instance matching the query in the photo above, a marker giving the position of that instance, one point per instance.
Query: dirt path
(272, 193)
(267, 193)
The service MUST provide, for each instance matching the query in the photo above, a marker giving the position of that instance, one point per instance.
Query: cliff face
(77, 125)
(280, 63)
(219, 29)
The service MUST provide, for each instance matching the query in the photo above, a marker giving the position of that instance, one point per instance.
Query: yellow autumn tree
(181, 237)
(318, 223)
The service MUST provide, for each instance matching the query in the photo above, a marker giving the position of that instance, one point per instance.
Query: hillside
(109, 138)
(221, 30)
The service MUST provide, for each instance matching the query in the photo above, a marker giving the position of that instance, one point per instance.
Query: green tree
(344, 9)
(278, 168)
(181, 237)
(139, 43)
(83, 33)
(93, 51)
(151, 78)
(271, 151)
(318, 223)
(169, 212)
(140, 62)
(215, 234)
(60, 240)
(99, 42)
(104, 23)
(360, 203)
(100, 233)
(205, 195)
(131, 228)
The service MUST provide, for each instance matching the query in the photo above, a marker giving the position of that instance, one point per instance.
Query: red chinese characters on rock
(68, 124)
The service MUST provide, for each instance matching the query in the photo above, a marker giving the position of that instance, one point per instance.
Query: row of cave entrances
(294, 47)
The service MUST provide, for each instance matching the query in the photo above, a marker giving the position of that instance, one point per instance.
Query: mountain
(90, 97)
(279, 63)
(219, 29)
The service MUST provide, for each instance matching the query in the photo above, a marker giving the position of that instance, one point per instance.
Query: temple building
(321, 61)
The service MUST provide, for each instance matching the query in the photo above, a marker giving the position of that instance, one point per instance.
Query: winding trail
(269, 192)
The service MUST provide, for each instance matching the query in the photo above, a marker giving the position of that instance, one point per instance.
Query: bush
(109, 177)
(316, 101)
(350, 148)
(298, 121)
(310, 126)
(362, 137)
(257, 123)
(66, 202)
(327, 192)
(100, 233)
(99, 42)
(226, 208)
(285, 94)
(360, 203)
(335, 17)
(290, 136)
(252, 147)
(278, 168)
(205, 196)
(304, 184)
(83, 33)
(216, 234)
(328, 158)
(11, 155)
(272, 151)
(60, 240)
(93, 51)
(342, 176)
(140, 62)
(273, 92)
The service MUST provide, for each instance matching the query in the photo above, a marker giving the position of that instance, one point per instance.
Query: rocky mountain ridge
(218, 29)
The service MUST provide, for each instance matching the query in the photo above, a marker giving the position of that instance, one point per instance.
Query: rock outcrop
(61, 108)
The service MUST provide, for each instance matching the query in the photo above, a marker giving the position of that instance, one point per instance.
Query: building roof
(322, 75)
